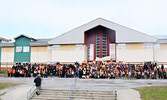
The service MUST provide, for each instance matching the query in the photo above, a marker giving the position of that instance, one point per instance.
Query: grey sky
(50, 18)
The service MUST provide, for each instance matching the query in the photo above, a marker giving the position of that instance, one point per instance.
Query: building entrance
(100, 42)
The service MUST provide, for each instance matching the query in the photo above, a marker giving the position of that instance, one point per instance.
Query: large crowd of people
(90, 70)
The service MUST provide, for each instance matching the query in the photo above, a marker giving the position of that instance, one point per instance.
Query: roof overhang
(7, 44)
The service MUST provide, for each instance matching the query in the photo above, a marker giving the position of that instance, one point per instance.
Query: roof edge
(24, 36)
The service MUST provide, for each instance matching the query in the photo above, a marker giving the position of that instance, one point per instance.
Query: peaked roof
(24, 36)
(1, 38)
(123, 34)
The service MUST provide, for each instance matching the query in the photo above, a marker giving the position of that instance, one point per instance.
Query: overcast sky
(50, 18)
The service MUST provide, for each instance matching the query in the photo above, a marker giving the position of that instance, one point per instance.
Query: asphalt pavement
(94, 84)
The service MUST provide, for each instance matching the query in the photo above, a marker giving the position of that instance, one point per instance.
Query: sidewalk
(16, 93)
(128, 94)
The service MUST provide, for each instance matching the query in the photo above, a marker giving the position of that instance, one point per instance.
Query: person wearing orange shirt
(9, 72)
(43, 67)
(13, 72)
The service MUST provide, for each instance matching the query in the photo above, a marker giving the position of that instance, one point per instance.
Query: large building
(99, 39)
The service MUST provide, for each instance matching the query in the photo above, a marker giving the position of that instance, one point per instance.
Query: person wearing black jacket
(37, 82)
(162, 67)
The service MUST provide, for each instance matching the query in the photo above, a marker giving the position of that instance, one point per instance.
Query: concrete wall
(40, 55)
(134, 53)
(68, 53)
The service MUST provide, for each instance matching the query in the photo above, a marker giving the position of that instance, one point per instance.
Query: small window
(156, 46)
(56, 47)
(26, 49)
(90, 51)
(104, 45)
(97, 45)
(18, 49)
(78, 47)
(147, 46)
(121, 46)
(49, 48)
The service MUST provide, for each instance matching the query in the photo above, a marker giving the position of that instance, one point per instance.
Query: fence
(72, 88)
(31, 92)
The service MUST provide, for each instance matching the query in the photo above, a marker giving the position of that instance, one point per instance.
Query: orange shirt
(9, 70)
(43, 67)
(13, 71)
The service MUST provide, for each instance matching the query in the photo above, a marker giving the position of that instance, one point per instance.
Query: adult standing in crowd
(37, 82)
(162, 67)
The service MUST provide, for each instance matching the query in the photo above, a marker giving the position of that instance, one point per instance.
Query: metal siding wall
(135, 55)
(67, 47)
(134, 46)
(39, 49)
(22, 56)
(40, 54)
(163, 46)
(160, 55)
(7, 56)
(132, 53)
(38, 57)
(68, 56)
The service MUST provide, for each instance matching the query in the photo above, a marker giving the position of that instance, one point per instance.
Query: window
(121, 46)
(90, 51)
(147, 46)
(26, 49)
(78, 47)
(104, 45)
(156, 46)
(112, 51)
(56, 47)
(49, 48)
(18, 49)
(97, 45)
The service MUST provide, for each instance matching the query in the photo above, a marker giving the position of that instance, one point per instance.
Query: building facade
(97, 40)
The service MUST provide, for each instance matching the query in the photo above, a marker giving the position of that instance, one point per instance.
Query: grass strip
(2, 72)
(4, 85)
(153, 93)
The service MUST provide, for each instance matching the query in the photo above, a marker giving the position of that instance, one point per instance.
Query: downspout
(153, 54)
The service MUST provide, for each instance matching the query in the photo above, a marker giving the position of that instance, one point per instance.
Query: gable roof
(24, 36)
(123, 34)
(3, 39)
